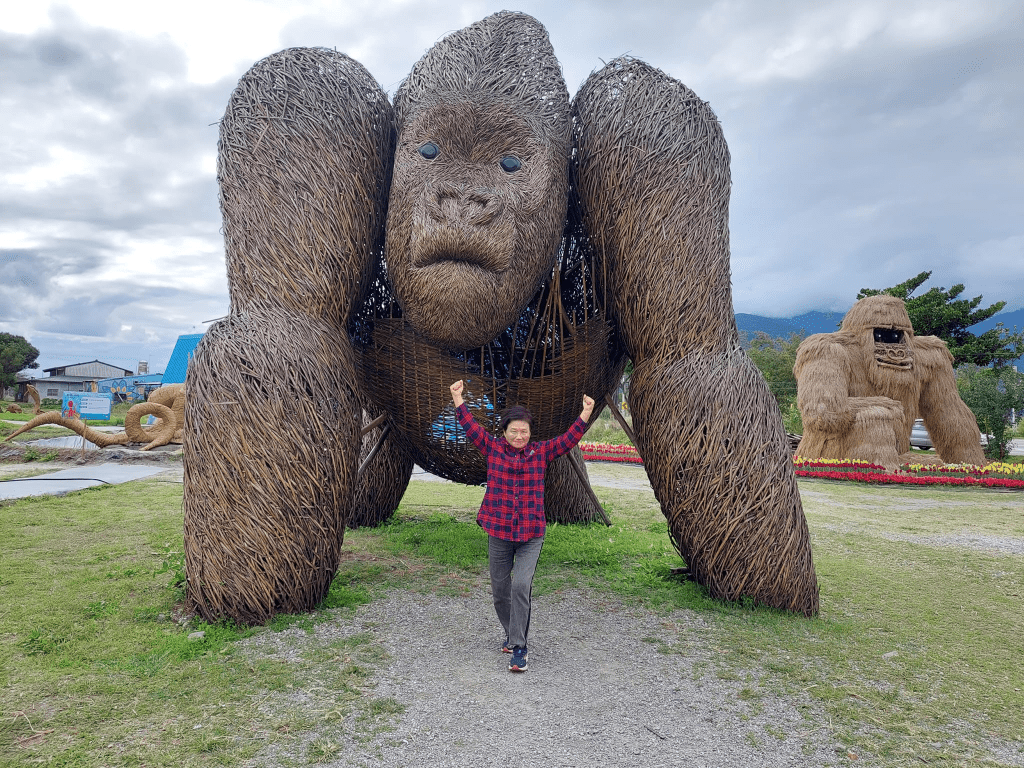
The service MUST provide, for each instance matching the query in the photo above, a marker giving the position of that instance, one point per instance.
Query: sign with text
(86, 405)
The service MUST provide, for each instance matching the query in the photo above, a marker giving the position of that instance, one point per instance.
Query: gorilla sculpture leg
(273, 418)
(653, 181)
(382, 483)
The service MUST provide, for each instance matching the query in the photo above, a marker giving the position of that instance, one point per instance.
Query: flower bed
(965, 475)
(994, 475)
(623, 454)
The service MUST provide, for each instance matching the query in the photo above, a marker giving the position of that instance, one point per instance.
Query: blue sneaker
(506, 647)
(518, 661)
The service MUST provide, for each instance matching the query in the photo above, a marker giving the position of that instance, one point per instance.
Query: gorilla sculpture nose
(461, 206)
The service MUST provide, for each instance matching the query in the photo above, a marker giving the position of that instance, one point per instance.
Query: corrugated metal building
(94, 370)
(78, 377)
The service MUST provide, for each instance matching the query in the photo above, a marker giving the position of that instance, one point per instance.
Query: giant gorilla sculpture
(860, 390)
(488, 229)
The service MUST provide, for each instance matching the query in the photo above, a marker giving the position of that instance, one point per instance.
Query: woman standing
(512, 512)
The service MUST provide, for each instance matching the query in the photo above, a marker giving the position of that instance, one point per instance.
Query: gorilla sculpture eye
(888, 336)
(429, 150)
(510, 164)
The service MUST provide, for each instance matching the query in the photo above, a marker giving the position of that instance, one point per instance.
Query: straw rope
(101, 439)
(166, 403)
(33, 393)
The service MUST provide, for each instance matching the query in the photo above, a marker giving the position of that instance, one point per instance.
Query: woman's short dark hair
(515, 413)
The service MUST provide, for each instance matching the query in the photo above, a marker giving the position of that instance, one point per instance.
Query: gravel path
(598, 691)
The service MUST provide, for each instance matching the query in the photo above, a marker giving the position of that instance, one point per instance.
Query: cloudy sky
(870, 141)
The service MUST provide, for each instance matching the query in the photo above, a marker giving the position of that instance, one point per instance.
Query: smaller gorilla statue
(861, 388)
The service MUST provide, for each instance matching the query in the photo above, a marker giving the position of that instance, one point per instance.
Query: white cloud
(61, 165)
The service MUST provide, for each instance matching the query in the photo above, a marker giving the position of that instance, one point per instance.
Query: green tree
(941, 313)
(775, 358)
(16, 354)
(992, 394)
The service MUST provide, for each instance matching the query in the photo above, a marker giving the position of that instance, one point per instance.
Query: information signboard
(86, 405)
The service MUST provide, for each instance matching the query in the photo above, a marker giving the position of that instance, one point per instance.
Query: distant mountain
(805, 324)
(773, 326)
(819, 322)
(1008, 319)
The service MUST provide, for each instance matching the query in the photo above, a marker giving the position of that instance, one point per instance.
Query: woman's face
(518, 433)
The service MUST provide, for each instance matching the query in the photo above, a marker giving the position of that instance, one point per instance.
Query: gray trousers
(512, 567)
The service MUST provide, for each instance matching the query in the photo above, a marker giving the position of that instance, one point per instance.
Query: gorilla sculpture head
(479, 188)
(882, 327)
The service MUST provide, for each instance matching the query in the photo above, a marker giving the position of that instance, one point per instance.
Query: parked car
(919, 437)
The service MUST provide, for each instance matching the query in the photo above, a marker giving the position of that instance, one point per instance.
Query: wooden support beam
(373, 424)
(575, 462)
(619, 418)
(374, 450)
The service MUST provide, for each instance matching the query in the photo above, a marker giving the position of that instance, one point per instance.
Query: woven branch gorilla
(860, 390)
(484, 228)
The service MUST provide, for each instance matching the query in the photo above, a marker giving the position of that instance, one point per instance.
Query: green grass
(607, 430)
(95, 669)
(117, 414)
(911, 655)
(914, 659)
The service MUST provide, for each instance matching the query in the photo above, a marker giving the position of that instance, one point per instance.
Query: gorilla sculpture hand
(532, 245)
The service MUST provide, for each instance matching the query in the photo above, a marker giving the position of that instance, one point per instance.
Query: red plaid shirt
(513, 507)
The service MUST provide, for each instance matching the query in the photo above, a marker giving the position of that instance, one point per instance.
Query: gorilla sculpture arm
(950, 423)
(273, 416)
(824, 363)
(653, 183)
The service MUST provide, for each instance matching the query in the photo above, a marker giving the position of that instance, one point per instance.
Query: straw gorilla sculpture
(861, 389)
(485, 228)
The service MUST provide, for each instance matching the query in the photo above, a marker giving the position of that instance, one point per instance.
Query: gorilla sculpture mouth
(468, 253)
(897, 356)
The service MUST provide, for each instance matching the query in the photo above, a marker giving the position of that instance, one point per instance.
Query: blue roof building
(177, 366)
